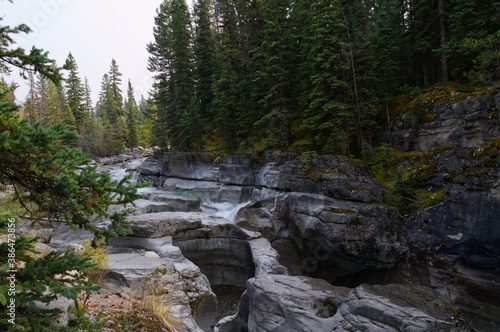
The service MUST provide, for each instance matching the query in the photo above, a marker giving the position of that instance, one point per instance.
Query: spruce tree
(323, 83)
(53, 104)
(276, 75)
(75, 92)
(88, 99)
(172, 60)
(205, 54)
(132, 118)
(227, 92)
(113, 102)
(61, 187)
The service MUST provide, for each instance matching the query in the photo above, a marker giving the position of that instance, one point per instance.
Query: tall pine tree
(75, 92)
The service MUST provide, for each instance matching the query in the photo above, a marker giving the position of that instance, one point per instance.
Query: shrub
(98, 255)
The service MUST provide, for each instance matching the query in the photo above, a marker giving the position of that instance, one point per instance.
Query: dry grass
(156, 296)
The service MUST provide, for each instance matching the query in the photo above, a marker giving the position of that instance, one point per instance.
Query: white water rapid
(222, 209)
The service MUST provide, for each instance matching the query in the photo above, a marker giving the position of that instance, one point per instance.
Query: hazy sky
(94, 31)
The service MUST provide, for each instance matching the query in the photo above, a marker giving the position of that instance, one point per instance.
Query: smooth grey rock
(237, 170)
(232, 194)
(178, 203)
(265, 258)
(220, 250)
(467, 124)
(63, 237)
(142, 206)
(133, 267)
(395, 308)
(286, 303)
(189, 166)
(348, 236)
(150, 166)
(155, 225)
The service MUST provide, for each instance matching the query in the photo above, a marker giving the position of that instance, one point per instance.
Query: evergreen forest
(311, 76)
(323, 76)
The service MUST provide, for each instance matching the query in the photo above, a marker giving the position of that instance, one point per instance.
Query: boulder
(150, 166)
(155, 225)
(466, 124)
(163, 247)
(395, 308)
(177, 203)
(189, 166)
(347, 236)
(286, 303)
(237, 170)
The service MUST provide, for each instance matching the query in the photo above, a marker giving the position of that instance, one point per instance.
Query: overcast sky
(94, 31)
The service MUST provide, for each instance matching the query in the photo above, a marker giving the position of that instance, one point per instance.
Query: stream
(221, 209)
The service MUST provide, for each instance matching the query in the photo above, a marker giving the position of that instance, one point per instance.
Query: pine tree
(53, 104)
(172, 60)
(88, 99)
(75, 92)
(113, 102)
(275, 77)
(205, 54)
(61, 187)
(323, 84)
(132, 118)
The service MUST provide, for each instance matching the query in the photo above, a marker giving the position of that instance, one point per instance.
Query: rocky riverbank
(314, 244)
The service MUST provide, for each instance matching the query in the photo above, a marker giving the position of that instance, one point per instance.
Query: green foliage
(39, 282)
(98, 255)
(487, 63)
(88, 324)
(75, 93)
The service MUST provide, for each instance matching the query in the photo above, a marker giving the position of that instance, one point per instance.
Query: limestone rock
(189, 166)
(220, 250)
(63, 237)
(142, 206)
(384, 308)
(150, 166)
(265, 258)
(351, 236)
(190, 287)
(467, 124)
(286, 303)
(237, 170)
(178, 203)
(155, 225)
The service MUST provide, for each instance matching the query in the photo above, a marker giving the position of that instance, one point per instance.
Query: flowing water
(222, 209)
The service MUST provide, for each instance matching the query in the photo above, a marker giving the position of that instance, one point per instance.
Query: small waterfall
(224, 209)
